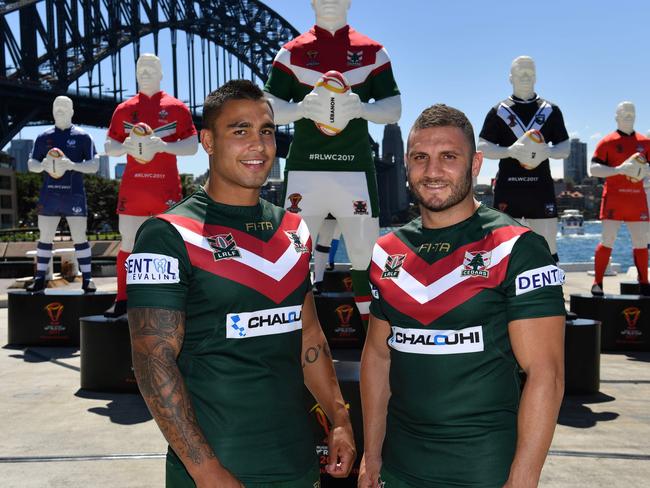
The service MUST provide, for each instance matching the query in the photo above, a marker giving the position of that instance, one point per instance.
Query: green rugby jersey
(240, 274)
(449, 295)
(295, 71)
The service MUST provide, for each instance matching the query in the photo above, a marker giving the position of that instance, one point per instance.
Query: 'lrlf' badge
(475, 264)
(393, 266)
(223, 247)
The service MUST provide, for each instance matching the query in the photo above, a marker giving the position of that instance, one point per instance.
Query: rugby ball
(534, 148)
(333, 86)
(638, 159)
(140, 135)
(54, 156)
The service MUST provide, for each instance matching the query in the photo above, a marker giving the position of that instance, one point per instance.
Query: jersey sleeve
(492, 130)
(185, 124)
(281, 81)
(116, 129)
(533, 284)
(90, 151)
(600, 154)
(39, 151)
(383, 80)
(158, 271)
(376, 304)
(559, 133)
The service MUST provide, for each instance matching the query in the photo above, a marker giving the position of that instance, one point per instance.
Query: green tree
(28, 187)
(101, 194)
(477, 262)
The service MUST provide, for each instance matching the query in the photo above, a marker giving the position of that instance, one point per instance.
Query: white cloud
(574, 135)
(597, 135)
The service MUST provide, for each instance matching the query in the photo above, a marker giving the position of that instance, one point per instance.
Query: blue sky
(589, 57)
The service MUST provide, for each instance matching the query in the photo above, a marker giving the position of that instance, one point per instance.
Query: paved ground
(56, 435)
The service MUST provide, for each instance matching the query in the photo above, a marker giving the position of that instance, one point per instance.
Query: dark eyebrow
(240, 123)
(269, 125)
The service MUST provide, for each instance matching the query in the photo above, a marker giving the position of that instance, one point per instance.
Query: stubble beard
(458, 194)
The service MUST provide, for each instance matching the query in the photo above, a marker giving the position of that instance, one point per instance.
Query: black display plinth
(338, 280)
(51, 318)
(625, 319)
(629, 287)
(340, 320)
(582, 356)
(106, 355)
(347, 373)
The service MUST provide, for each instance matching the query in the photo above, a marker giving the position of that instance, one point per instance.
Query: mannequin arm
(88, 166)
(493, 151)
(285, 112)
(114, 148)
(602, 171)
(35, 166)
(385, 111)
(560, 150)
(184, 147)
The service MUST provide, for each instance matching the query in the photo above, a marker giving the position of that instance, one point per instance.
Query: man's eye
(239, 132)
(268, 132)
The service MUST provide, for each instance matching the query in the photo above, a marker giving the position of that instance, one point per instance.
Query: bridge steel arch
(54, 43)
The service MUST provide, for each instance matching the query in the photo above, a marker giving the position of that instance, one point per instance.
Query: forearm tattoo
(156, 339)
(313, 353)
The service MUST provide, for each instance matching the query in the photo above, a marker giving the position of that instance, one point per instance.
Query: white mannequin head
(523, 77)
(148, 73)
(62, 112)
(331, 14)
(625, 116)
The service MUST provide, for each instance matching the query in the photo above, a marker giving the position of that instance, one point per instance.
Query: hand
(48, 165)
(350, 107)
(64, 164)
(314, 107)
(156, 145)
(369, 472)
(530, 156)
(342, 452)
(635, 167)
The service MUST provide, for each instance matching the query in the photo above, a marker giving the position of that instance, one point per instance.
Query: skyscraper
(575, 166)
(391, 175)
(21, 150)
(104, 167)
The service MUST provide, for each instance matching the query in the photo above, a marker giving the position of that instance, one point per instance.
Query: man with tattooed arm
(223, 324)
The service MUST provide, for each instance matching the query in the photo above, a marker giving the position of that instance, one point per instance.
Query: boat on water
(571, 222)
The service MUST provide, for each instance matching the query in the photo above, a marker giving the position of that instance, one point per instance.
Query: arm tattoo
(312, 354)
(156, 340)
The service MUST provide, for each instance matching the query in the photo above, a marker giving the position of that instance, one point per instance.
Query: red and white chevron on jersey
(425, 291)
(274, 268)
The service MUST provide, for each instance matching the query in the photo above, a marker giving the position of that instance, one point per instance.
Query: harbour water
(573, 248)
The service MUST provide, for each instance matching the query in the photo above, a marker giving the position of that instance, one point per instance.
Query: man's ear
(207, 141)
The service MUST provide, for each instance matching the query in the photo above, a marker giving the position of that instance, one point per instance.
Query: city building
(276, 171)
(21, 150)
(391, 177)
(104, 167)
(8, 194)
(575, 166)
(484, 194)
(119, 170)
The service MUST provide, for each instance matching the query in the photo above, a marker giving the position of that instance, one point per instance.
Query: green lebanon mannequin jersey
(296, 69)
(449, 295)
(240, 274)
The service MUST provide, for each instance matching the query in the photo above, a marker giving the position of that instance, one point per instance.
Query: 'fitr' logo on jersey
(475, 264)
(294, 238)
(393, 266)
(223, 247)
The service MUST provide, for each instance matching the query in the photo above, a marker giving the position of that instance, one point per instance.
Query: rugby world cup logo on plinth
(476, 264)
(294, 198)
(54, 311)
(393, 265)
(344, 313)
(631, 315)
(223, 247)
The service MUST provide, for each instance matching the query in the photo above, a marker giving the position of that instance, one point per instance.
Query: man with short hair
(462, 297)
(223, 323)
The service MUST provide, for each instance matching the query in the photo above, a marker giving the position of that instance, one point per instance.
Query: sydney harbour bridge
(85, 49)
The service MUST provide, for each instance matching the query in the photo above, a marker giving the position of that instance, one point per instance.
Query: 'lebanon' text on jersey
(296, 69)
(448, 295)
(240, 274)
